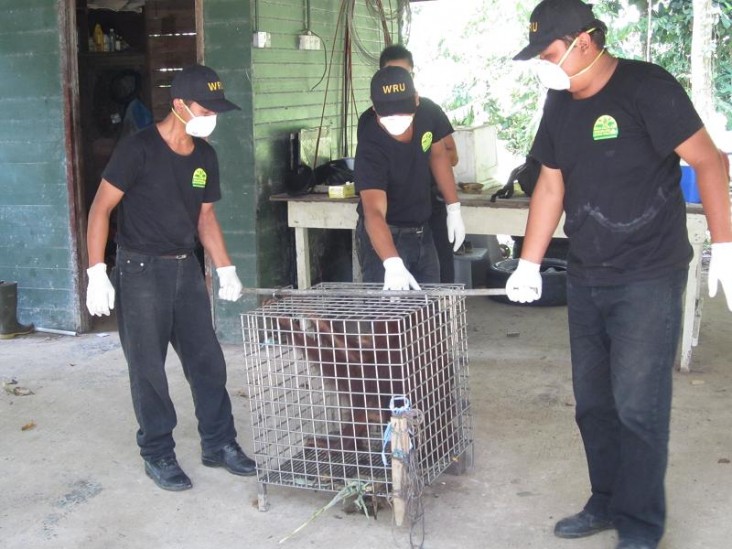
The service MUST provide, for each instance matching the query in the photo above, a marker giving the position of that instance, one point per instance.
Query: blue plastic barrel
(688, 185)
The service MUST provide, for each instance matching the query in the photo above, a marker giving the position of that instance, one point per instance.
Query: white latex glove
(720, 271)
(99, 292)
(397, 277)
(455, 226)
(230, 286)
(524, 285)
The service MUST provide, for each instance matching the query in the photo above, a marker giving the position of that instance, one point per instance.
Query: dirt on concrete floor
(75, 479)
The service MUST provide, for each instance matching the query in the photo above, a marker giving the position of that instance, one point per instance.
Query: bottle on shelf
(98, 36)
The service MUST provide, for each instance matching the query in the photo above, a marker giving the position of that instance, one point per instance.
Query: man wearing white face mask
(397, 152)
(441, 221)
(609, 141)
(163, 181)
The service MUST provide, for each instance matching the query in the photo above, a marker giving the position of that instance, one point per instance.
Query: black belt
(184, 255)
(410, 230)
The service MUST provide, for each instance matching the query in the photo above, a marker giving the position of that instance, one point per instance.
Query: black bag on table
(525, 175)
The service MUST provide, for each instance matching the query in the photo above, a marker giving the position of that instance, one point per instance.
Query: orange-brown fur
(368, 370)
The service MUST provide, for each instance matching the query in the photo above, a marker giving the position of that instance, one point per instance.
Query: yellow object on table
(347, 190)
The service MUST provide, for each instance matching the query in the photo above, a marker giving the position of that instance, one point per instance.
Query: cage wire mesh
(322, 370)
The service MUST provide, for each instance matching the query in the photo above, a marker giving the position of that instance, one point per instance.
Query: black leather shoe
(580, 525)
(635, 544)
(231, 458)
(167, 474)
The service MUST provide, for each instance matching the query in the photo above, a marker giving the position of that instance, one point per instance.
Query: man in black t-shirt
(397, 55)
(163, 181)
(396, 153)
(609, 141)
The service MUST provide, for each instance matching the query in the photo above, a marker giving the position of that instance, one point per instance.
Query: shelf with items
(108, 31)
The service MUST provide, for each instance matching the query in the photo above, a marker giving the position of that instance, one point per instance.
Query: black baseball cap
(202, 85)
(392, 92)
(552, 20)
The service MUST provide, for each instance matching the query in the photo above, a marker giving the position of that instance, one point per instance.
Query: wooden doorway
(114, 86)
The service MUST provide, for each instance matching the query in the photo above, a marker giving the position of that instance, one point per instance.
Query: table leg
(355, 263)
(302, 253)
(692, 311)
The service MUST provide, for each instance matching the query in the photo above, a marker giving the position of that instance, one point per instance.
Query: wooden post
(400, 448)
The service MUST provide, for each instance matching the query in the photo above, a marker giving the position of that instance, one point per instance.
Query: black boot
(9, 325)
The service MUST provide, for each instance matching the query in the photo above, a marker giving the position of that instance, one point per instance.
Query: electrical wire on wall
(307, 16)
(255, 17)
(308, 30)
(341, 15)
(395, 16)
(399, 16)
(347, 87)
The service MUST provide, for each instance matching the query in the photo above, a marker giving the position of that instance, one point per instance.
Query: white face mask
(553, 76)
(550, 75)
(200, 126)
(396, 124)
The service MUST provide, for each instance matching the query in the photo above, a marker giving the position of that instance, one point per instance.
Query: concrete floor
(75, 480)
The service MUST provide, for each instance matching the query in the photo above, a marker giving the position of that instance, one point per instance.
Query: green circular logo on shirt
(426, 141)
(199, 178)
(605, 128)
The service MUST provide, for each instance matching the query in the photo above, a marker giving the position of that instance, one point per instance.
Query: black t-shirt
(163, 192)
(402, 170)
(442, 126)
(625, 214)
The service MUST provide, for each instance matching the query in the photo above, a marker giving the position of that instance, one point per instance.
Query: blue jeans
(623, 342)
(163, 300)
(415, 247)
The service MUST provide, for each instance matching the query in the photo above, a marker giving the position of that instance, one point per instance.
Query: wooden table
(481, 216)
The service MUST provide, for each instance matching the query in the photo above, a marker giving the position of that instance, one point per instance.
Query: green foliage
(672, 24)
(517, 125)
(485, 86)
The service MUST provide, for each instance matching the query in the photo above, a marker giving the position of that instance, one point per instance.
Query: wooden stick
(399, 470)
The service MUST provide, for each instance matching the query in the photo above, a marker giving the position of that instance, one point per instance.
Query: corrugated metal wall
(35, 227)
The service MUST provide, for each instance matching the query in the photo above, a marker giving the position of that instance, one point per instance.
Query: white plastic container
(477, 154)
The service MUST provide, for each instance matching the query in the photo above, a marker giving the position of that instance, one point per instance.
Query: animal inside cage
(323, 368)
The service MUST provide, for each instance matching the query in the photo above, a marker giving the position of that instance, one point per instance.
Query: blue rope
(395, 411)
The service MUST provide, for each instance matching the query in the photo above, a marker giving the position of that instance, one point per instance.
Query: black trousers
(415, 247)
(163, 300)
(438, 224)
(623, 341)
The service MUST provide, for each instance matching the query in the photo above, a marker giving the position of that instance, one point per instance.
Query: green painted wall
(227, 38)
(35, 231)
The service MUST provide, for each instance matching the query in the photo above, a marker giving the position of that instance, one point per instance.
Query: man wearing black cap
(397, 154)
(164, 181)
(399, 56)
(609, 141)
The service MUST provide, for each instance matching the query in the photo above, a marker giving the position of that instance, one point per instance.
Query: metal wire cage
(323, 368)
